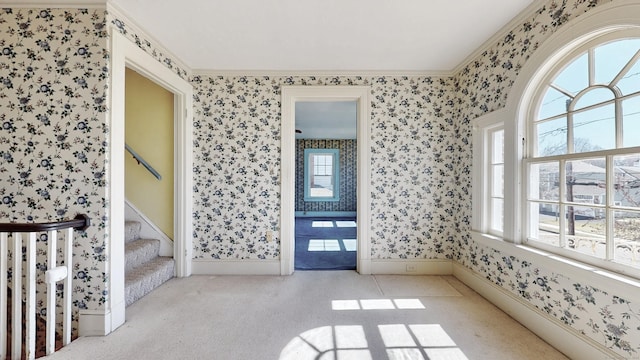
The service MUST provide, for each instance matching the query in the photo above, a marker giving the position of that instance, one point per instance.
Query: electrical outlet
(411, 268)
(269, 235)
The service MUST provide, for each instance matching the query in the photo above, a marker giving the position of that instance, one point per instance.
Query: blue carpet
(329, 245)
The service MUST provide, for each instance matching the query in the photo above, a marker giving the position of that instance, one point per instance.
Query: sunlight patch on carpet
(345, 224)
(322, 224)
(351, 342)
(324, 245)
(377, 304)
(350, 244)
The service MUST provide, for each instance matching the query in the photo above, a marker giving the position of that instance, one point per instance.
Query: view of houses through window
(584, 169)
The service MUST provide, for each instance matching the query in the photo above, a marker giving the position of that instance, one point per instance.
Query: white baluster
(16, 304)
(51, 293)
(30, 312)
(4, 259)
(68, 262)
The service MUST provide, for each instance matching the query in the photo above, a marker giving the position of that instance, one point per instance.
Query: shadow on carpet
(326, 244)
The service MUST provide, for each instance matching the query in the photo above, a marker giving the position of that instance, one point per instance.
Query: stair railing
(53, 275)
(143, 162)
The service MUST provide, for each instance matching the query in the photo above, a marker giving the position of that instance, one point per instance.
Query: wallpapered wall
(53, 81)
(348, 175)
(484, 84)
(124, 27)
(237, 165)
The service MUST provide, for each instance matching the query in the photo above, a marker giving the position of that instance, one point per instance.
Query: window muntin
(574, 77)
(628, 83)
(321, 175)
(583, 173)
(611, 57)
(594, 129)
(551, 136)
(631, 121)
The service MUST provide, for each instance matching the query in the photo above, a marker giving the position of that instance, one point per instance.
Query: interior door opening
(323, 186)
(150, 158)
(326, 185)
(126, 54)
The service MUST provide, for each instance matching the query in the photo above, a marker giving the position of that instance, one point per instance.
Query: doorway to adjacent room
(326, 185)
(325, 178)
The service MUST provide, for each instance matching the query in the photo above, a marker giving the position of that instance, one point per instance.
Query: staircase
(145, 270)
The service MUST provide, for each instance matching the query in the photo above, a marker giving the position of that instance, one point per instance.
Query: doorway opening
(149, 162)
(125, 54)
(326, 185)
(323, 187)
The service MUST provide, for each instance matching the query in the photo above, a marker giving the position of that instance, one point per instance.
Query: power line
(564, 129)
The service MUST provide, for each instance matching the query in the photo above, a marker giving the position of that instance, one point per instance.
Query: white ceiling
(318, 35)
(308, 35)
(326, 120)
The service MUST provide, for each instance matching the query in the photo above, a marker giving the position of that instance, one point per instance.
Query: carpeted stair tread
(131, 231)
(145, 270)
(143, 279)
(140, 251)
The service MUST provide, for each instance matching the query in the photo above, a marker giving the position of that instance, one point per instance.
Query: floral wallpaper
(348, 167)
(122, 25)
(237, 165)
(53, 82)
(612, 320)
(484, 84)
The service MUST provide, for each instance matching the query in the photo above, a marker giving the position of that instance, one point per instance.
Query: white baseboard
(118, 315)
(412, 267)
(565, 339)
(325, 214)
(148, 230)
(94, 322)
(235, 267)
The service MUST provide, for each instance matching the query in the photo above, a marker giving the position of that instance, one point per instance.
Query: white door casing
(291, 95)
(124, 54)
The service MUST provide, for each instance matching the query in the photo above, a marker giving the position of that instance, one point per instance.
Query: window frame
(335, 154)
(553, 68)
(484, 128)
(491, 195)
(599, 26)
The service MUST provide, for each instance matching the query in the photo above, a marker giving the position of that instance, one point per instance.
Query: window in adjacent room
(321, 175)
(583, 163)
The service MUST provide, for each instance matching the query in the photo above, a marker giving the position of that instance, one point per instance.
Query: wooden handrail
(143, 162)
(80, 222)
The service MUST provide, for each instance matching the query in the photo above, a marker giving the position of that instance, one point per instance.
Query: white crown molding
(117, 12)
(528, 12)
(90, 4)
(341, 73)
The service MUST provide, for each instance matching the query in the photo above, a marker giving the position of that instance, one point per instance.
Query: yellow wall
(149, 131)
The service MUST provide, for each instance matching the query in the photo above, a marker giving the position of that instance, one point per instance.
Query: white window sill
(624, 286)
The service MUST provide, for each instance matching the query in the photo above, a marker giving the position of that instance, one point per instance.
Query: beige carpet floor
(337, 315)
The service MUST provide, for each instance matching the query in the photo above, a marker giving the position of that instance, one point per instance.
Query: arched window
(583, 154)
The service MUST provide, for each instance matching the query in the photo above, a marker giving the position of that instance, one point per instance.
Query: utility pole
(571, 218)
